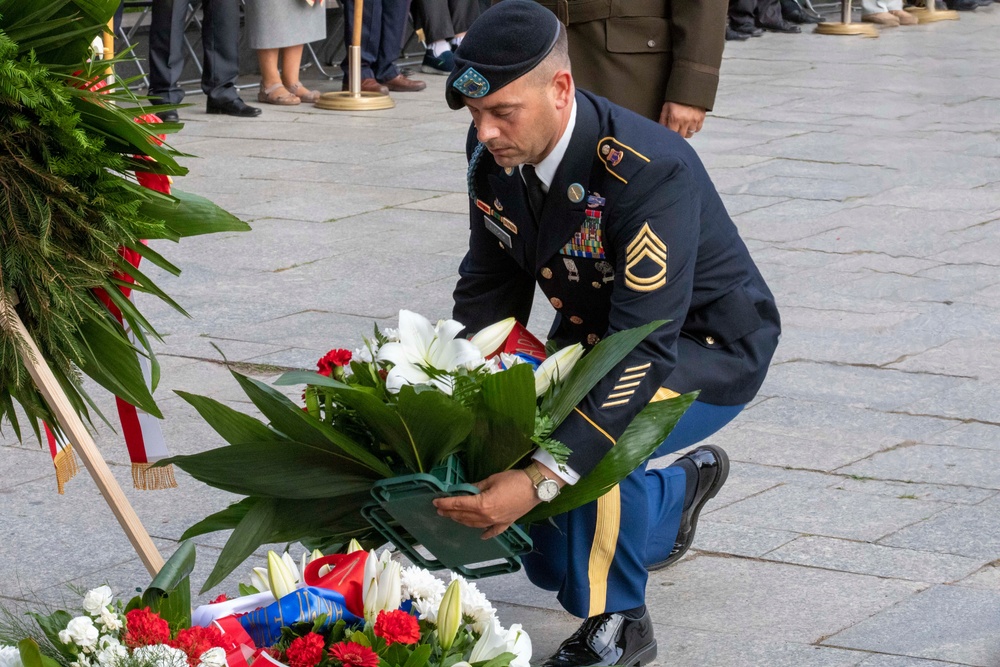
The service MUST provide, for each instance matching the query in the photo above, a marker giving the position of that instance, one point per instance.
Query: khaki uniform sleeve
(698, 36)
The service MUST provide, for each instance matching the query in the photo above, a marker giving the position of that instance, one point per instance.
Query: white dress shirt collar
(546, 169)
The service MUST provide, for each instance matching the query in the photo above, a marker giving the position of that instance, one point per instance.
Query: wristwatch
(546, 489)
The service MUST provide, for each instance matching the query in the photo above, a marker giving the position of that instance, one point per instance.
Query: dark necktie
(536, 195)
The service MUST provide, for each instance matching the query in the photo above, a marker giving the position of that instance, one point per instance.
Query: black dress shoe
(793, 11)
(785, 26)
(236, 107)
(170, 116)
(751, 30)
(712, 464)
(737, 36)
(608, 639)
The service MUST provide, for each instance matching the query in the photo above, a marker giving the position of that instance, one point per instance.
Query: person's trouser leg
(393, 25)
(370, 34)
(463, 13)
(435, 19)
(741, 13)
(166, 50)
(220, 37)
(876, 6)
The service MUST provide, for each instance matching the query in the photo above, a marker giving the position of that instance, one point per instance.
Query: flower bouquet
(357, 609)
(407, 402)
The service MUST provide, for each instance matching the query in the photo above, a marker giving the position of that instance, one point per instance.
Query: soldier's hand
(505, 497)
(683, 119)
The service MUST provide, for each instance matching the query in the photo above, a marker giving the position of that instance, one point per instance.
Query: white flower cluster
(10, 657)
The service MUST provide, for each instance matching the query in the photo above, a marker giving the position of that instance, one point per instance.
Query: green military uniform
(642, 53)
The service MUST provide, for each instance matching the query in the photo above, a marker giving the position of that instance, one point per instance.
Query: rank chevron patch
(646, 261)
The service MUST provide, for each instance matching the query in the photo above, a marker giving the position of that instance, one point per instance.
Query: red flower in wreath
(333, 359)
(196, 640)
(397, 627)
(145, 628)
(305, 651)
(352, 654)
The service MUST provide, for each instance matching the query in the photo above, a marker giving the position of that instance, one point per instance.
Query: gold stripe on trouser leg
(602, 551)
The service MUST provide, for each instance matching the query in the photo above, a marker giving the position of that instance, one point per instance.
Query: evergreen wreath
(70, 205)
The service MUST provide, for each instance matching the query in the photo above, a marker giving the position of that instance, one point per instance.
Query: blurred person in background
(444, 23)
(278, 29)
(381, 42)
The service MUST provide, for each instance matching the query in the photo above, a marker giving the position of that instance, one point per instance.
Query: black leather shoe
(608, 639)
(713, 468)
(236, 107)
(785, 26)
(736, 36)
(794, 12)
(170, 116)
(751, 30)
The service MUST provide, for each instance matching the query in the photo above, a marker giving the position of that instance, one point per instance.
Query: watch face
(547, 490)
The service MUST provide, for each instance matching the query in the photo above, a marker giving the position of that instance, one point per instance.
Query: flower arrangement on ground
(359, 609)
(406, 402)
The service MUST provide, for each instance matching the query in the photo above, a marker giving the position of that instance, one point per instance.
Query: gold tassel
(147, 478)
(66, 467)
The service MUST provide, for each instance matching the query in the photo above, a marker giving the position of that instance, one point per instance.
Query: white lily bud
(258, 579)
(556, 367)
(281, 580)
(449, 617)
(292, 566)
(492, 643)
(390, 588)
(369, 590)
(492, 337)
(353, 546)
(519, 643)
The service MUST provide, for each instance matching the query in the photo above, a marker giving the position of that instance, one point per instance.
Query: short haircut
(557, 59)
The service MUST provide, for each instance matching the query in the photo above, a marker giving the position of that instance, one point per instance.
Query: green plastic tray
(405, 502)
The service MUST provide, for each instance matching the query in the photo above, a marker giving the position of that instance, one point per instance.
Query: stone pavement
(860, 523)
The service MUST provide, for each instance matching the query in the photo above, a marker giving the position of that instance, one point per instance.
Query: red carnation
(333, 359)
(397, 627)
(352, 654)
(305, 651)
(196, 640)
(221, 598)
(145, 628)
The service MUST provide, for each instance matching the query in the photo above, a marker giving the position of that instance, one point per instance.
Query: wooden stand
(78, 434)
(846, 26)
(931, 14)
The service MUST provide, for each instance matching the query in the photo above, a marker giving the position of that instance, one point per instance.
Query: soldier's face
(522, 122)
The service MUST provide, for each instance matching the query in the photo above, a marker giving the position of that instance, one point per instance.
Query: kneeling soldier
(616, 219)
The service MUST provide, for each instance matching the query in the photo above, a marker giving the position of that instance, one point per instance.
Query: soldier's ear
(562, 87)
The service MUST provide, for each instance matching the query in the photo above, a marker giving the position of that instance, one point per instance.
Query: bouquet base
(406, 502)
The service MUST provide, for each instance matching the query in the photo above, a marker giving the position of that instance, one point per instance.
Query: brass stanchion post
(931, 14)
(355, 99)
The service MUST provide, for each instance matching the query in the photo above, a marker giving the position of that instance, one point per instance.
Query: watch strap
(534, 474)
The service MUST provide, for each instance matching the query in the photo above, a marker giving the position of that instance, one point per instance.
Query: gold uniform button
(605, 149)
(546, 273)
(709, 340)
(556, 302)
(576, 320)
(596, 285)
(651, 43)
(592, 339)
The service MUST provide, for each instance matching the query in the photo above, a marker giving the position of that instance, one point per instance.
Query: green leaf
(226, 519)
(186, 214)
(52, 625)
(495, 444)
(169, 594)
(124, 137)
(646, 432)
(384, 422)
(511, 394)
(251, 532)
(235, 427)
(292, 421)
(286, 470)
(421, 654)
(31, 655)
(502, 660)
(435, 423)
(109, 359)
(592, 368)
(246, 589)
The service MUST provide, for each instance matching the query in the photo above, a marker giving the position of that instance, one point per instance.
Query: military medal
(497, 205)
(595, 200)
(574, 273)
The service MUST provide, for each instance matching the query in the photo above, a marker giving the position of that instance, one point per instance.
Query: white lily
(492, 337)
(292, 566)
(492, 643)
(508, 361)
(449, 616)
(519, 643)
(353, 546)
(422, 345)
(280, 578)
(556, 367)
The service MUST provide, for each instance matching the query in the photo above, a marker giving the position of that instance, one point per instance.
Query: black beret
(506, 42)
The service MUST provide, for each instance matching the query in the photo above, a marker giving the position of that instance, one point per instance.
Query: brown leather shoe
(401, 84)
(367, 85)
(905, 18)
(881, 18)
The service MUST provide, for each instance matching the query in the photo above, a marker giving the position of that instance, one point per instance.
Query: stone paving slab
(932, 463)
(965, 531)
(964, 630)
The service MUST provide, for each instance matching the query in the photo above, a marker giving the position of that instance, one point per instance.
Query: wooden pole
(83, 444)
(109, 45)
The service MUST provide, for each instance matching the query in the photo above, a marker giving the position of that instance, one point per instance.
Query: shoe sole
(723, 458)
(645, 656)
(433, 70)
